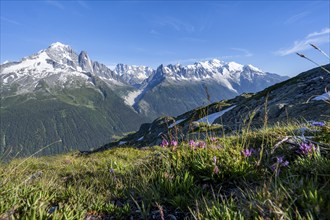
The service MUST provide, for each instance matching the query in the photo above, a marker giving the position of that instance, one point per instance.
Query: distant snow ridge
(59, 65)
(212, 69)
(133, 75)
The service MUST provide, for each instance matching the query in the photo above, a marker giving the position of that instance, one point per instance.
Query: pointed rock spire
(84, 62)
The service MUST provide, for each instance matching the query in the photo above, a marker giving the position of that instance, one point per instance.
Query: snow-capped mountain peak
(62, 54)
(133, 75)
(253, 68)
(59, 46)
(234, 67)
(215, 62)
(211, 64)
(60, 66)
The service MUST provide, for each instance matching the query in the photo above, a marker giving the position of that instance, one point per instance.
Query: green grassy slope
(211, 181)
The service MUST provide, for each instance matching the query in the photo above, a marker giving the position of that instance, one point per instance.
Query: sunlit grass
(176, 181)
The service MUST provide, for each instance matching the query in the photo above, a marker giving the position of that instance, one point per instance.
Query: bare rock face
(84, 62)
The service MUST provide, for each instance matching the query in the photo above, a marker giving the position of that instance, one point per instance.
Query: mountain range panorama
(62, 57)
(66, 96)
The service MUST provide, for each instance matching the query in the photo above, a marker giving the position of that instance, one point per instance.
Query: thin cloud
(56, 4)
(322, 32)
(176, 24)
(297, 17)
(317, 38)
(9, 20)
(246, 52)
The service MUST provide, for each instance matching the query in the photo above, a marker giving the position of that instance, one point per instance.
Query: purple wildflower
(216, 169)
(273, 167)
(307, 148)
(215, 159)
(285, 163)
(174, 143)
(192, 144)
(164, 143)
(282, 162)
(279, 160)
(318, 123)
(247, 152)
(279, 163)
(202, 144)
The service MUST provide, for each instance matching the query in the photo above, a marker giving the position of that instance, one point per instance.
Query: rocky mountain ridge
(300, 99)
(61, 64)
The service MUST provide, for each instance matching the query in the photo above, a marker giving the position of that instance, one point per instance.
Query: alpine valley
(60, 100)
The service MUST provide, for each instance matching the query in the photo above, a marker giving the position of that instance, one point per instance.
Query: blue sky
(265, 34)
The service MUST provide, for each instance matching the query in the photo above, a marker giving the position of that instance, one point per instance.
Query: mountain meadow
(219, 161)
(271, 173)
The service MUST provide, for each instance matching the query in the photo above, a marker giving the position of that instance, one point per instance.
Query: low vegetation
(280, 172)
